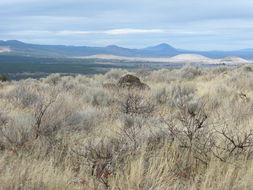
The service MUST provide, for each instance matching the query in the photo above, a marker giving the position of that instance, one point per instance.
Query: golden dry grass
(192, 130)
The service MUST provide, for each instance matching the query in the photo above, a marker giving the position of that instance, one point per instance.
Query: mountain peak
(161, 47)
(11, 43)
(112, 46)
(14, 42)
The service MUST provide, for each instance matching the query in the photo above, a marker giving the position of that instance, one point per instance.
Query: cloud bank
(192, 24)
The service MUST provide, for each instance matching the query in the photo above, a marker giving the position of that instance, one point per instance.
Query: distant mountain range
(14, 47)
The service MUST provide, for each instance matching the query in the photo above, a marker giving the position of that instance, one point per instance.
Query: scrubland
(192, 129)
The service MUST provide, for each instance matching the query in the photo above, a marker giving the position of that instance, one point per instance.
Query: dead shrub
(134, 104)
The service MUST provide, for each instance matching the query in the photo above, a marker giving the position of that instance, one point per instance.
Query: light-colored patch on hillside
(234, 59)
(178, 59)
(5, 49)
(114, 57)
(189, 57)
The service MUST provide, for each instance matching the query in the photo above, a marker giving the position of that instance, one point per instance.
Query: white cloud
(71, 32)
(29, 32)
(132, 31)
(111, 32)
(83, 32)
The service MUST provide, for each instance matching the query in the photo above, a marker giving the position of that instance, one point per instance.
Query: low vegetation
(3, 78)
(164, 129)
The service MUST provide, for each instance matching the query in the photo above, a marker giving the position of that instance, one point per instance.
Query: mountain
(162, 50)
(14, 47)
(161, 47)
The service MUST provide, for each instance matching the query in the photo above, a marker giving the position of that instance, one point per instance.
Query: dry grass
(191, 130)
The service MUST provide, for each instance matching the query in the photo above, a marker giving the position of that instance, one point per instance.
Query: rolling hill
(14, 47)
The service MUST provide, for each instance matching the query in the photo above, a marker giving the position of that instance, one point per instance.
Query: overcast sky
(187, 24)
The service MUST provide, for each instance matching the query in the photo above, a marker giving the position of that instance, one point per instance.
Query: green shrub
(3, 78)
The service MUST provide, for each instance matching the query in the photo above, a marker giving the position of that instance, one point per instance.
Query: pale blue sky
(188, 24)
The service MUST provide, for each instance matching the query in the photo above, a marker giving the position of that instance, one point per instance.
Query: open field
(185, 129)
(22, 67)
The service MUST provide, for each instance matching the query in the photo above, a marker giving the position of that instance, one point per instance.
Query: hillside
(189, 58)
(161, 50)
(234, 59)
(5, 49)
(178, 59)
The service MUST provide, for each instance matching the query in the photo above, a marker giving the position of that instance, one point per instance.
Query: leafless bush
(54, 114)
(40, 127)
(134, 104)
(131, 131)
(204, 139)
(102, 156)
(234, 143)
(190, 129)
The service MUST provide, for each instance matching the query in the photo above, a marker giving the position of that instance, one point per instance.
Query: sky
(185, 24)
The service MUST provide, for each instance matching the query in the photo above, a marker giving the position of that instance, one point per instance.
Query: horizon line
(121, 46)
